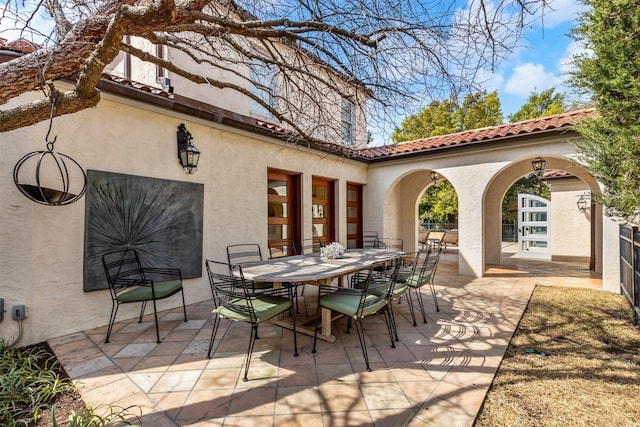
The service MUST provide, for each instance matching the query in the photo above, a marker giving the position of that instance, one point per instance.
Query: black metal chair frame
(373, 292)
(128, 282)
(426, 277)
(231, 296)
(369, 239)
(309, 246)
(275, 248)
(242, 253)
(407, 266)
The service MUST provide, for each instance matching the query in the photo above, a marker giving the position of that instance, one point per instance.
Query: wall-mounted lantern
(538, 165)
(188, 154)
(435, 176)
(582, 203)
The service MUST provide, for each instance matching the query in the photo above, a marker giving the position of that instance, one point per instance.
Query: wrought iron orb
(53, 168)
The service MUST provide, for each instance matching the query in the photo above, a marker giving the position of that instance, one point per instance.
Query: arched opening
(403, 216)
(577, 234)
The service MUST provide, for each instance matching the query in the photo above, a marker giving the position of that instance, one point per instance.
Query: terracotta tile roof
(136, 85)
(18, 45)
(556, 122)
(550, 174)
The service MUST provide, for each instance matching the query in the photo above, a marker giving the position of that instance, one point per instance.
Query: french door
(354, 216)
(322, 205)
(534, 226)
(283, 198)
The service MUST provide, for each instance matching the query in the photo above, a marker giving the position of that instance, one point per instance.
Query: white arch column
(470, 183)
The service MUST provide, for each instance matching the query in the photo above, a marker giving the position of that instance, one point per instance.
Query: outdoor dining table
(317, 270)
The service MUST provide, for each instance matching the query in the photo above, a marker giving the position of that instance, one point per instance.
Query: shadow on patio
(437, 375)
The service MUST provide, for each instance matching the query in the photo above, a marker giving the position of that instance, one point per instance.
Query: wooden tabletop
(314, 268)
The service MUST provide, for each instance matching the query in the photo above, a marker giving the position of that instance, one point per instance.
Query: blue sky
(541, 62)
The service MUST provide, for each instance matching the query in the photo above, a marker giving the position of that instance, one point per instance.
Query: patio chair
(129, 282)
(356, 304)
(425, 275)
(449, 238)
(392, 244)
(280, 248)
(402, 269)
(244, 253)
(233, 301)
(309, 246)
(425, 243)
(369, 239)
(284, 248)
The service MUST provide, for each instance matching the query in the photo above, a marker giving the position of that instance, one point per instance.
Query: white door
(534, 226)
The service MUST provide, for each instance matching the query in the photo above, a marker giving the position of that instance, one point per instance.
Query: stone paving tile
(436, 376)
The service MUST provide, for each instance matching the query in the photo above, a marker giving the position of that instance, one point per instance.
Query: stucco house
(255, 182)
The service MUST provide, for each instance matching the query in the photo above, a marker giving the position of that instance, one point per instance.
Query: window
(127, 60)
(264, 86)
(354, 216)
(283, 198)
(160, 53)
(347, 122)
(322, 209)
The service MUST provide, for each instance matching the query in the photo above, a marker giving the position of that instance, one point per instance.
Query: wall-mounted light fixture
(538, 165)
(188, 154)
(582, 203)
(435, 176)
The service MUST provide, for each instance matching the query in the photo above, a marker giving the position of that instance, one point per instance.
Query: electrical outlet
(18, 312)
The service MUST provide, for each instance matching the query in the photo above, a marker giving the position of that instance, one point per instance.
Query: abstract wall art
(162, 219)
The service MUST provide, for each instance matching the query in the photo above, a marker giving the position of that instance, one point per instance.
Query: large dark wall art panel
(161, 219)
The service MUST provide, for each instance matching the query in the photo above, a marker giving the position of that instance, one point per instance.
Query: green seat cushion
(265, 307)
(403, 274)
(398, 290)
(144, 293)
(348, 304)
(415, 281)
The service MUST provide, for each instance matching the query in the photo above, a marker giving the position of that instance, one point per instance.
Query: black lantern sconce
(188, 154)
(582, 203)
(435, 176)
(538, 165)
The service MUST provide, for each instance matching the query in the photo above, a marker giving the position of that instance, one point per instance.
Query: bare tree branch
(398, 50)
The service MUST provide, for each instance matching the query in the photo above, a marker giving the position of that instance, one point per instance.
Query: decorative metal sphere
(50, 183)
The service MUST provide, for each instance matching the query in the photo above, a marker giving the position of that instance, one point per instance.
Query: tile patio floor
(437, 375)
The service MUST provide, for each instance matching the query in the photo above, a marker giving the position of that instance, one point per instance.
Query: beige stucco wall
(41, 247)
(481, 179)
(571, 240)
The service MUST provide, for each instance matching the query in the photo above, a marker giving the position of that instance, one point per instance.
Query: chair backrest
(229, 290)
(409, 262)
(243, 253)
(369, 239)
(123, 270)
(376, 290)
(450, 237)
(282, 248)
(309, 246)
(431, 263)
(393, 244)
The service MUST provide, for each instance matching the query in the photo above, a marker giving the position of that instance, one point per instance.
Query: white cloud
(528, 78)
(561, 11)
(29, 21)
